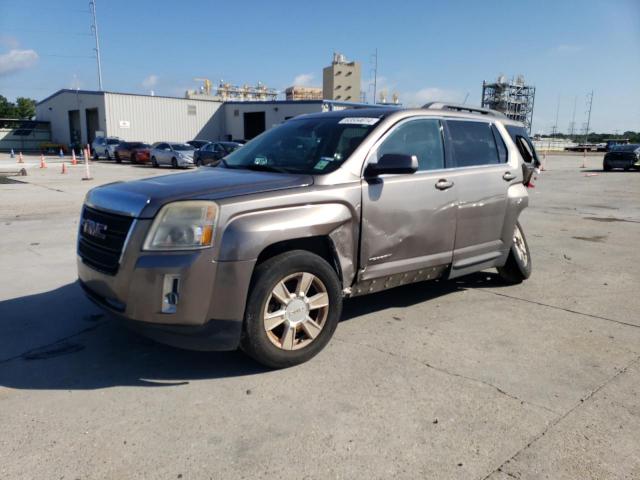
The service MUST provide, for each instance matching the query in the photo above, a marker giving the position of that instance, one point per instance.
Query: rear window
(523, 142)
(625, 148)
(181, 146)
(112, 141)
(473, 143)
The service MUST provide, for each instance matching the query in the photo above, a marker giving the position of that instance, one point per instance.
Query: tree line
(24, 108)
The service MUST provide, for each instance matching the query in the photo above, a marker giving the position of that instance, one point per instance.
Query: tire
(198, 162)
(295, 339)
(174, 163)
(606, 167)
(117, 157)
(518, 265)
(133, 158)
(154, 162)
(107, 155)
(95, 155)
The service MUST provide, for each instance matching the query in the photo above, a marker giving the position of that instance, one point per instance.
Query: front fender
(246, 235)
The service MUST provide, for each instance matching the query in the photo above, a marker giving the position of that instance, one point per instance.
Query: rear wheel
(154, 162)
(174, 162)
(117, 157)
(293, 309)
(606, 167)
(518, 266)
(134, 157)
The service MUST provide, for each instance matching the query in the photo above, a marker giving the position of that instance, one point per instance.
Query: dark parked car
(196, 144)
(135, 152)
(213, 152)
(622, 156)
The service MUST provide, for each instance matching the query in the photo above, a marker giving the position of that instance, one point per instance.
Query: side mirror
(392, 163)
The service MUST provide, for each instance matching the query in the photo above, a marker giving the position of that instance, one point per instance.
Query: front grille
(100, 245)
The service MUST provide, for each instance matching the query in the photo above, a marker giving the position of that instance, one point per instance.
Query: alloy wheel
(296, 311)
(520, 246)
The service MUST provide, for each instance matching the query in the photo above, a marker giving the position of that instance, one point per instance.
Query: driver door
(409, 220)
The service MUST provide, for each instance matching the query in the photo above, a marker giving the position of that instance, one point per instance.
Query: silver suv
(259, 252)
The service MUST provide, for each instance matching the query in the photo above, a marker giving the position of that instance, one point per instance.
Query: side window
(473, 143)
(421, 138)
(502, 148)
(525, 147)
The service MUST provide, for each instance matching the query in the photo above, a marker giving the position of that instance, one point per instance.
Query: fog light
(170, 293)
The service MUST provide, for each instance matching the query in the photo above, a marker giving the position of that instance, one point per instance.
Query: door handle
(443, 184)
(508, 176)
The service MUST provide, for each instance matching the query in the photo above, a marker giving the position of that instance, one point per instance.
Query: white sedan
(174, 154)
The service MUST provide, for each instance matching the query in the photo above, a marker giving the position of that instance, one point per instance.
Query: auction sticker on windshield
(359, 121)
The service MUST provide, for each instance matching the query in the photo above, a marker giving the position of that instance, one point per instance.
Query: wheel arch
(328, 230)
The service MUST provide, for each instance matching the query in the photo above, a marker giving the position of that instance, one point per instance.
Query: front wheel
(117, 157)
(293, 308)
(154, 162)
(174, 163)
(606, 167)
(518, 266)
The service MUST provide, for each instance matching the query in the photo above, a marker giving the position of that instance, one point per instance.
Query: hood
(143, 198)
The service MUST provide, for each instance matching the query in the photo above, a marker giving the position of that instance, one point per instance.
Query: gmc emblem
(95, 229)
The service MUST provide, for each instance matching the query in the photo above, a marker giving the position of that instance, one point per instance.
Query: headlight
(183, 226)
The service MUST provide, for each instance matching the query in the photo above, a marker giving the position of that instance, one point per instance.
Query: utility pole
(94, 30)
(590, 104)
(554, 130)
(572, 125)
(375, 75)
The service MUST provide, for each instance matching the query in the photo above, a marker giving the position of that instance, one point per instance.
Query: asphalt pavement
(461, 379)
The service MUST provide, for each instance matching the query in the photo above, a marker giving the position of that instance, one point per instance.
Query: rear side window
(473, 143)
(421, 138)
(525, 147)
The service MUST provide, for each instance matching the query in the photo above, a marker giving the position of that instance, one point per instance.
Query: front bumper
(211, 295)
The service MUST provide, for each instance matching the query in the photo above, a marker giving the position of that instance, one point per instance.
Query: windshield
(181, 146)
(316, 145)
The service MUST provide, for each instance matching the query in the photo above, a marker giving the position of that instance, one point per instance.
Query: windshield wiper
(264, 168)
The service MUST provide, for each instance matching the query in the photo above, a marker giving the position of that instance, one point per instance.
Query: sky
(427, 50)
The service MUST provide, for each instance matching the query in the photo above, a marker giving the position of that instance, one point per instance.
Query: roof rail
(456, 107)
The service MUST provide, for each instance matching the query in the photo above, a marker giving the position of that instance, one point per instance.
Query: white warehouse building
(76, 115)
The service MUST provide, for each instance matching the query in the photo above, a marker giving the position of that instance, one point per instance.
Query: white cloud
(431, 94)
(9, 42)
(303, 80)
(566, 49)
(150, 82)
(16, 60)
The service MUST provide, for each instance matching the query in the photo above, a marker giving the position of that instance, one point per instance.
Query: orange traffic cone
(43, 163)
(74, 160)
(64, 168)
(20, 160)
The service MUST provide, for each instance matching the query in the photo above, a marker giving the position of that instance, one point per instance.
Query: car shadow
(59, 340)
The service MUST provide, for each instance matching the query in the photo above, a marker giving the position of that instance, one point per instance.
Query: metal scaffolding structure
(512, 97)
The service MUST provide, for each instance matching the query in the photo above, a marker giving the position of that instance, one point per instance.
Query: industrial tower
(512, 97)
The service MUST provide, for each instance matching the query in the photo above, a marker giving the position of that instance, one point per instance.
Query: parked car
(260, 252)
(622, 156)
(135, 152)
(197, 144)
(174, 154)
(104, 147)
(212, 152)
